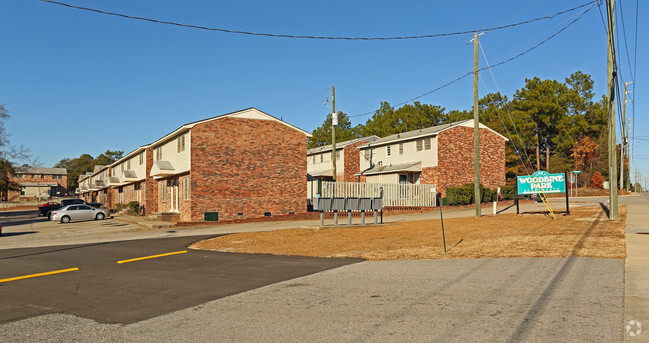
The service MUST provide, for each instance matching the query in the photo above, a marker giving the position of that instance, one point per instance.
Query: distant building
(320, 167)
(39, 183)
(440, 155)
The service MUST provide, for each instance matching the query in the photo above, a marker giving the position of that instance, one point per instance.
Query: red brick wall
(151, 186)
(429, 176)
(352, 162)
(455, 158)
(247, 166)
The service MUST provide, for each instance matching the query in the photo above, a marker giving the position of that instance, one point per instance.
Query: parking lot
(27, 228)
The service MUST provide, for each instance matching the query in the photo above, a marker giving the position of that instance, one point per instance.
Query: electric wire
(493, 66)
(601, 15)
(484, 55)
(635, 61)
(539, 35)
(508, 134)
(626, 46)
(315, 37)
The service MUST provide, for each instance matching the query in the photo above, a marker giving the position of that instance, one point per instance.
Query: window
(22, 190)
(420, 144)
(158, 154)
(42, 176)
(163, 190)
(427, 143)
(388, 150)
(181, 143)
(141, 158)
(186, 188)
(33, 176)
(400, 148)
(321, 157)
(128, 164)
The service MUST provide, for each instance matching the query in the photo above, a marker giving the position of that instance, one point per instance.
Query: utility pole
(476, 128)
(334, 123)
(612, 144)
(623, 144)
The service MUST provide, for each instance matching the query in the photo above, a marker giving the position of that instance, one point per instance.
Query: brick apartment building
(244, 164)
(440, 155)
(319, 165)
(39, 183)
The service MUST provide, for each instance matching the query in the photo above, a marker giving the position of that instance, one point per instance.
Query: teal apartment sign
(550, 183)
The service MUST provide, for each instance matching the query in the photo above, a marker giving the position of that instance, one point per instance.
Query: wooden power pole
(476, 128)
(334, 122)
(623, 143)
(612, 144)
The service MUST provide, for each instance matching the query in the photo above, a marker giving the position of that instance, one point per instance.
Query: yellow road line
(39, 274)
(152, 256)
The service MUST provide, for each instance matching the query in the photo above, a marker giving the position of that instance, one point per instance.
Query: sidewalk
(636, 295)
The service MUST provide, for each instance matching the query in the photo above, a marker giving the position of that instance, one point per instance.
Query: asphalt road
(108, 292)
(483, 300)
(207, 296)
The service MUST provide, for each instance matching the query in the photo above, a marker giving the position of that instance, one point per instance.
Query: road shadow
(530, 318)
(506, 208)
(605, 208)
(25, 221)
(45, 250)
(9, 234)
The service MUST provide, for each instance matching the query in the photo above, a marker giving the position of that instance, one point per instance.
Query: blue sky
(79, 82)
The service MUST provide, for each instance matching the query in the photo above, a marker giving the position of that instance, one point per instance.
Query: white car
(68, 213)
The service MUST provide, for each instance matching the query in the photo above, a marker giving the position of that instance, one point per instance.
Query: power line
(520, 139)
(316, 37)
(626, 46)
(493, 66)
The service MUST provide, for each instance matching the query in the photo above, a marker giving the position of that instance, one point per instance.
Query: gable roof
(341, 145)
(36, 170)
(248, 113)
(429, 131)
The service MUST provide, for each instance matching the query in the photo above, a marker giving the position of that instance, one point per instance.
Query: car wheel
(65, 219)
(100, 216)
(49, 215)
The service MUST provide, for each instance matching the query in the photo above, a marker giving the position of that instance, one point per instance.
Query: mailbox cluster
(348, 205)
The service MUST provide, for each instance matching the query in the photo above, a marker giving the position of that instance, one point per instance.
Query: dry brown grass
(586, 232)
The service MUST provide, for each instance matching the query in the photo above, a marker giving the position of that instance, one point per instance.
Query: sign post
(576, 172)
(567, 201)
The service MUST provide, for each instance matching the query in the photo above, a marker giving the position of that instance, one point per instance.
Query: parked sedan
(78, 212)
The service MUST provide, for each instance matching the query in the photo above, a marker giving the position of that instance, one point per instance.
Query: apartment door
(174, 195)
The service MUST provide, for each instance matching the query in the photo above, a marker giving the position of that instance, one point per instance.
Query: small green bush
(119, 207)
(133, 208)
(457, 196)
(464, 195)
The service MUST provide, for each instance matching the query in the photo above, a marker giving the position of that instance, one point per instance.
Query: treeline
(551, 125)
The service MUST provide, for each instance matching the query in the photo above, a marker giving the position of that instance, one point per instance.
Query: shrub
(119, 207)
(464, 195)
(133, 207)
(456, 196)
(598, 180)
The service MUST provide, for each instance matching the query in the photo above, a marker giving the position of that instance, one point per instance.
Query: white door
(174, 196)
